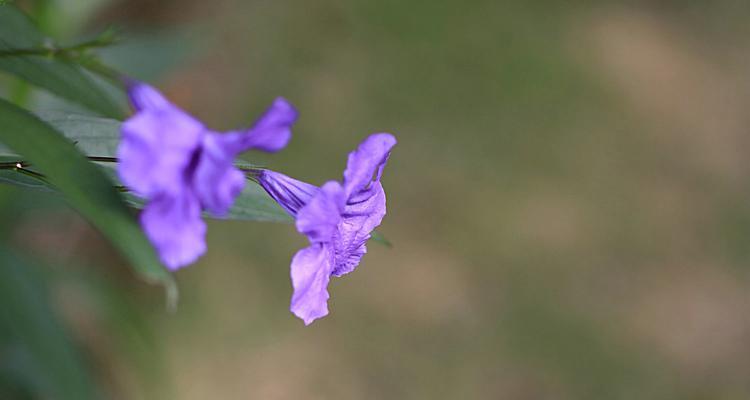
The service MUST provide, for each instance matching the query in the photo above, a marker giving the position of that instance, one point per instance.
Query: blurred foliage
(38, 359)
(568, 204)
(33, 57)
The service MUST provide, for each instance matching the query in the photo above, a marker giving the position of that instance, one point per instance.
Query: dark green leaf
(93, 136)
(15, 178)
(19, 179)
(84, 186)
(99, 137)
(60, 77)
(17, 28)
(255, 204)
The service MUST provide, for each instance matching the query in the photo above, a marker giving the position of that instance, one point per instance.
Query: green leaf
(15, 178)
(18, 28)
(61, 77)
(36, 354)
(254, 204)
(99, 137)
(84, 186)
(95, 136)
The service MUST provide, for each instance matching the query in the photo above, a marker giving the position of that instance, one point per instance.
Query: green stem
(32, 174)
(67, 51)
(76, 53)
(13, 164)
(102, 159)
(27, 52)
(21, 167)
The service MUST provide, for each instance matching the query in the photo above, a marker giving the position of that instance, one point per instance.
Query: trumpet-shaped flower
(337, 219)
(181, 168)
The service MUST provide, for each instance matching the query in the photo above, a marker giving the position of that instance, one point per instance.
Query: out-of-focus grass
(568, 202)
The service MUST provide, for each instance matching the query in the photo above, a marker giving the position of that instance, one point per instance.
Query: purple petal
(156, 148)
(310, 272)
(290, 193)
(273, 129)
(360, 219)
(174, 226)
(144, 97)
(366, 163)
(217, 181)
(319, 218)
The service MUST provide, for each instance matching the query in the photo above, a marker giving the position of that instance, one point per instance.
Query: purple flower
(181, 168)
(337, 219)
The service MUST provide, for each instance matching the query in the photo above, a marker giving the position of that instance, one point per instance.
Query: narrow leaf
(61, 77)
(93, 136)
(84, 186)
(98, 137)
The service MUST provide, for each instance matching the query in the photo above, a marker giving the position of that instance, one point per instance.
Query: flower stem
(22, 167)
(107, 38)
(102, 159)
(77, 53)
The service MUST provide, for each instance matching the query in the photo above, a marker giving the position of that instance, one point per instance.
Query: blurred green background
(569, 204)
